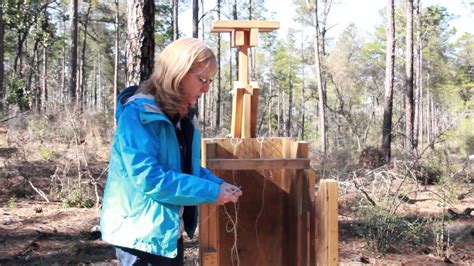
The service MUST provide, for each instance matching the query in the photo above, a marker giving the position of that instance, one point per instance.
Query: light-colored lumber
(327, 223)
(254, 112)
(239, 36)
(256, 164)
(246, 116)
(236, 125)
(229, 25)
(243, 65)
(254, 36)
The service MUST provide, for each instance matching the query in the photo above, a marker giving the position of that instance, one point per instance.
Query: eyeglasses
(204, 81)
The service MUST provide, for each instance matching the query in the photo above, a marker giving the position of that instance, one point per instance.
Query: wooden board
(229, 25)
(257, 164)
(327, 223)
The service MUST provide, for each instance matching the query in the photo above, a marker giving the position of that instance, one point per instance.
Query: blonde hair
(171, 65)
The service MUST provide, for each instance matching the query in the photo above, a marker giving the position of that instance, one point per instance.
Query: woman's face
(195, 83)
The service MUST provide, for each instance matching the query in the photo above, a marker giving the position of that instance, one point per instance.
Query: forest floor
(36, 232)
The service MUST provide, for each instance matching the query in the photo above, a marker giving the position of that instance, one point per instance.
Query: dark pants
(128, 256)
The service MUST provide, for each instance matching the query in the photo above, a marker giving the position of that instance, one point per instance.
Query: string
(235, 142)
(260, 140)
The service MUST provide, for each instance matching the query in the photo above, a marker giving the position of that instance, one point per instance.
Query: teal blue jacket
(145, 185)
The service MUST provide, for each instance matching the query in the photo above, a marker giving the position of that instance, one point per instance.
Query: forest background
(387, 110)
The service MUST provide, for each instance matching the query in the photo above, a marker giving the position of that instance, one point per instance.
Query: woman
(155, 179)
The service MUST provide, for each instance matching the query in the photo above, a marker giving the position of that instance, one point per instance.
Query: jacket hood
(143, 102)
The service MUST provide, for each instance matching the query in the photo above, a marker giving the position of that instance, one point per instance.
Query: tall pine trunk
(195, 19)
(73, 53)
(409, 100)
(319, 81)
(116, 63)
(219, 78)
(174, 6)
(83, 77)
(2, 56)
(419, 81)
(389, 79)
(140, 41)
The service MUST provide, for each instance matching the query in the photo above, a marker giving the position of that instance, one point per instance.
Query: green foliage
(77, 199)
(11, 203)
(18, 94)
(381, 229)
(163, 25)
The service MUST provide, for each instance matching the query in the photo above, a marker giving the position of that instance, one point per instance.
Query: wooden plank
(239, 36)
(236, 124)
(243, 65)
(254, 112)
(246, 116)
(327, 223)
(332, 222)
(254, 36)
(310, 175)
(256, 164)
(208, 219)
(229, 25)
(300, 150)
(209, 258)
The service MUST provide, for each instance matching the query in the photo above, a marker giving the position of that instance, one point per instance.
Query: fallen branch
(365, 193)
(41, 193)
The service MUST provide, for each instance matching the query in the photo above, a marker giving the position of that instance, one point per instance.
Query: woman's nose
(205, 88)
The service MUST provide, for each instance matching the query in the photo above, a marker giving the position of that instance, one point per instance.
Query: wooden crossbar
(255, 164)
(231, 25)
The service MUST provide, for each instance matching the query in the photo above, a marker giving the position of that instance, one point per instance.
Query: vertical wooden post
(243, 35)
(327, 223)
(209, 221)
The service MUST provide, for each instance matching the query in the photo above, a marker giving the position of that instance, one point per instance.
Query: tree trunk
(319, 81)
(236, 53)
(83, 99)
(116, 62)
(140, 41)
(195, 19)
(389, 78)
(219, 81)
(73, 53)
(409, 100)
(45, 75)
(302, 113)
(288, 130)
(2, 59)
(419, 80)
(204, 101)
(175, 5)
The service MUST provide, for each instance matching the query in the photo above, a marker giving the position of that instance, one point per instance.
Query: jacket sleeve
(138, 146)
(207, 174)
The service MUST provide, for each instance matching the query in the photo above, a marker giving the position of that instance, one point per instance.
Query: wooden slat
(236, 124)
(253, 36)
(243, 64)
(256, 164)
(239, 36)
(246, 116)
(327, 223)
(254, 112)
(229, 25)
(210, 258)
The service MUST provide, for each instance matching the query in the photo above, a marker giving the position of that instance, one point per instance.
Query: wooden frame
(273, 173)
(243, 35)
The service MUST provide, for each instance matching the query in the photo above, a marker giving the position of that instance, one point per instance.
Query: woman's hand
(228, 193)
